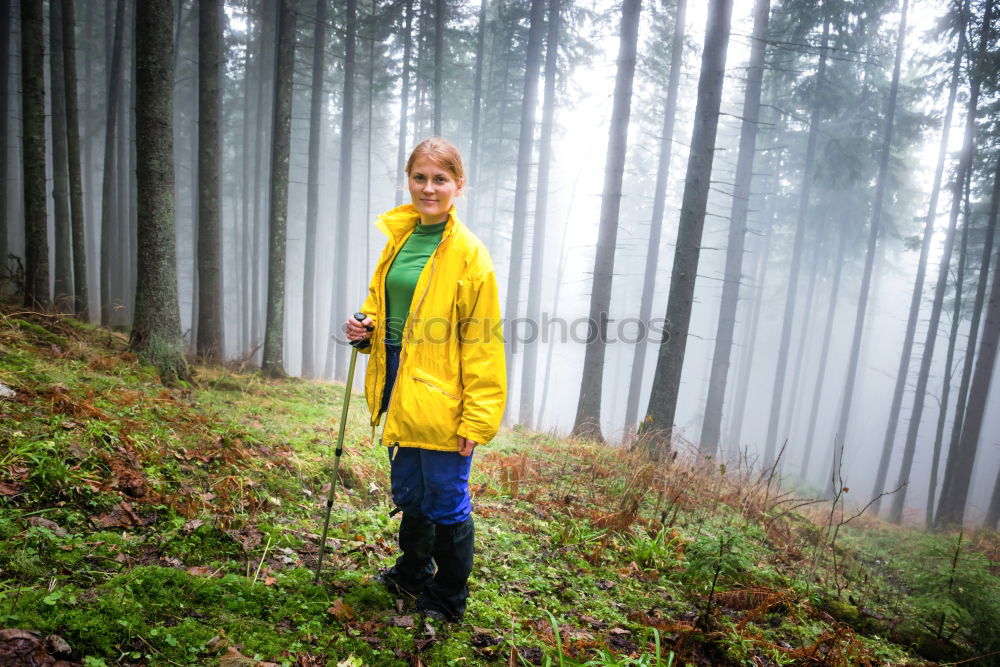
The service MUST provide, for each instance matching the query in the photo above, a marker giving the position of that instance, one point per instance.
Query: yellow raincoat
(452, 378)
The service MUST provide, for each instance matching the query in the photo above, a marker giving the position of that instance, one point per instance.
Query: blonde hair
(441, 151)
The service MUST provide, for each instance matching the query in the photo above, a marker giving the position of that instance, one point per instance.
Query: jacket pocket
(429, 410)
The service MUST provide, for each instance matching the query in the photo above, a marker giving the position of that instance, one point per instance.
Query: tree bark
(824, 355)
(525, 145)
(658, 425)
(404, 100)
(588, 411)
(63, 286)
(274, 334)
(108, 204)
(656, 223)
(918, 290)
(530, 361)
(951, 510)
(977, 311)
(316, 120)
(439, 42)
(36, 246)
(4, 116)
(963, 172)
(791, 294)
(156, 331)
(477, 104)
(336, 354)
(793, 396)
(992, 521)
(873, 234)
(210, 58)
(746, 359)
(81, 303)
(956, 319)
(712, 424)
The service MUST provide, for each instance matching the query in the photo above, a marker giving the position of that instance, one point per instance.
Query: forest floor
(174, 526)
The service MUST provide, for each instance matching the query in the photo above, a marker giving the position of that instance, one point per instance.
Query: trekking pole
(356, 345)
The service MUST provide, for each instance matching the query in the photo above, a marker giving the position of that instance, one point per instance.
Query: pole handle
(364, 342)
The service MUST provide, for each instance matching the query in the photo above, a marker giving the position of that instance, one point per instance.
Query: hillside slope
(149, 525)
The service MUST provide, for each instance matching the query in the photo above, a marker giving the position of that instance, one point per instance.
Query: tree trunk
(81, 303)
(807, 318)
(210, 57)
(530, 360)
(108, 204)
(992, 521)
(824, 355)
(963, 172)
(268, 20)
(746, 360)
(956, 320)
(60, 178)
(918, 289)
(977, 311)
(36, 247)
(588, 410)
(125, 278)
(336, 354)
(156, 331)
(712, 424)
(404, 100)
(525, 144)
(791, 294)
(659, 421)
(477, 104)
(873, 234)
(439, 41)
(4, 115)
(316, 120)
(555, 313)
(656, 224)
(274, 334)
(249, 191)
(951, 510)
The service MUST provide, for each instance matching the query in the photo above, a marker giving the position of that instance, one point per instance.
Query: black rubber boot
(413, 568)
(448, 591)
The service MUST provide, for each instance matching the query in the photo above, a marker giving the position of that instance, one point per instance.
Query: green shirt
(401, 280)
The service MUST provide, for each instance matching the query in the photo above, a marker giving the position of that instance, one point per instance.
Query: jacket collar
(400, 221)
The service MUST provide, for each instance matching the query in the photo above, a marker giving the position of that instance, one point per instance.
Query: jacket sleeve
(483, 367)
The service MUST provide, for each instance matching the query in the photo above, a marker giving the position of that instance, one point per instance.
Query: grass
(146, 525)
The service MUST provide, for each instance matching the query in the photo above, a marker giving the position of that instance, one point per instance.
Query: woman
(439, 376)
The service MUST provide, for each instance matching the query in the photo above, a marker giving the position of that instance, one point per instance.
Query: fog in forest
(384, 75)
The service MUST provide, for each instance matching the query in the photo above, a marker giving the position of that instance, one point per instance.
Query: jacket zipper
(413, 315)
(382, 278)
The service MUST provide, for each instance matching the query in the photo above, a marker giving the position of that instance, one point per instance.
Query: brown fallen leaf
(192, 525)
(619, 631)
(9, 489)
(233, 658)
(217, 643)
(120, 516)
(200, 571)
(270, 581)
(341, 610)
(57, 644)
(402, 621)
(42, 522)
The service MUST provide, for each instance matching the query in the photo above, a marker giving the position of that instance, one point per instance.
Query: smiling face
(433, 189)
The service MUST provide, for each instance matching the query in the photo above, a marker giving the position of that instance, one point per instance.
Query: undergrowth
(152, 525)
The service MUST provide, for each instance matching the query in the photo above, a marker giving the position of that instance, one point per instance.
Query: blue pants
(431, 484)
